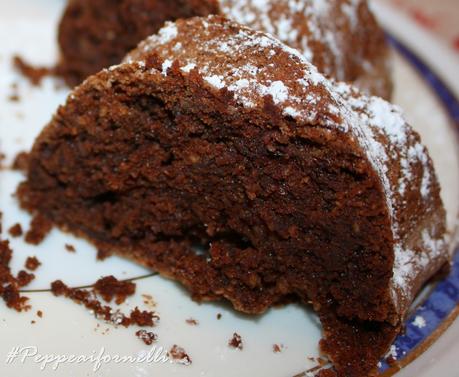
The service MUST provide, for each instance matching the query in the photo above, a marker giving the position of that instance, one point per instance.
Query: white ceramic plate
(28, 28)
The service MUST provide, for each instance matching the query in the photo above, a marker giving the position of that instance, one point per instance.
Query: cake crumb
(143, 318)
(149, 301)
(34, 74)
(21, 162)
(9, 285)
(147, 337)
(13, 298)
(103, 253)
(179, 355)
(109, 287)
(39, 229)
(277, 348)
(14, 97)
(89, 299)
(236, 342)
(219, 316)
(40, 313)
(24, 278)
(16, 230)
(70, 248)
(192, 322)
(32, 263)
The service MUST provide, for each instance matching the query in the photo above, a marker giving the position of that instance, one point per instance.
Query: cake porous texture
(340, 37)
(223, 159)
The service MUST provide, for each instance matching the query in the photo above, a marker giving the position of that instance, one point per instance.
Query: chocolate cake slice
(221, 158)
(340, 37)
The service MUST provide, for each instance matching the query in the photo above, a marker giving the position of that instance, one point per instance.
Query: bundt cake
(340, 37)
(223, 159)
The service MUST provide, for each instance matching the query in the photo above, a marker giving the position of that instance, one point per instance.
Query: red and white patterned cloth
(441, 17)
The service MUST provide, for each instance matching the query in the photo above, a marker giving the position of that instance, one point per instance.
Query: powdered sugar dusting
(278, 91)
(388, 140)
(216, 81)
(187, 68)
(168, 32)
(284, 19)
(409, 262)
(406, 260)
(166, 65)
(245, 79)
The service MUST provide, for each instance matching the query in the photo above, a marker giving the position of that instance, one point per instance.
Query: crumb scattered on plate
(236, 342)
(39, 229)
(16, 230)
(179, 355)
(70, 248)
(192, 322)
(32, 263)
(147, 337)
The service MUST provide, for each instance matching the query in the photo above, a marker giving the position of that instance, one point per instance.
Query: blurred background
(440, 17)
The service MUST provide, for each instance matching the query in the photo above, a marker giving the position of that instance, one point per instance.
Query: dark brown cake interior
(160, 177)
